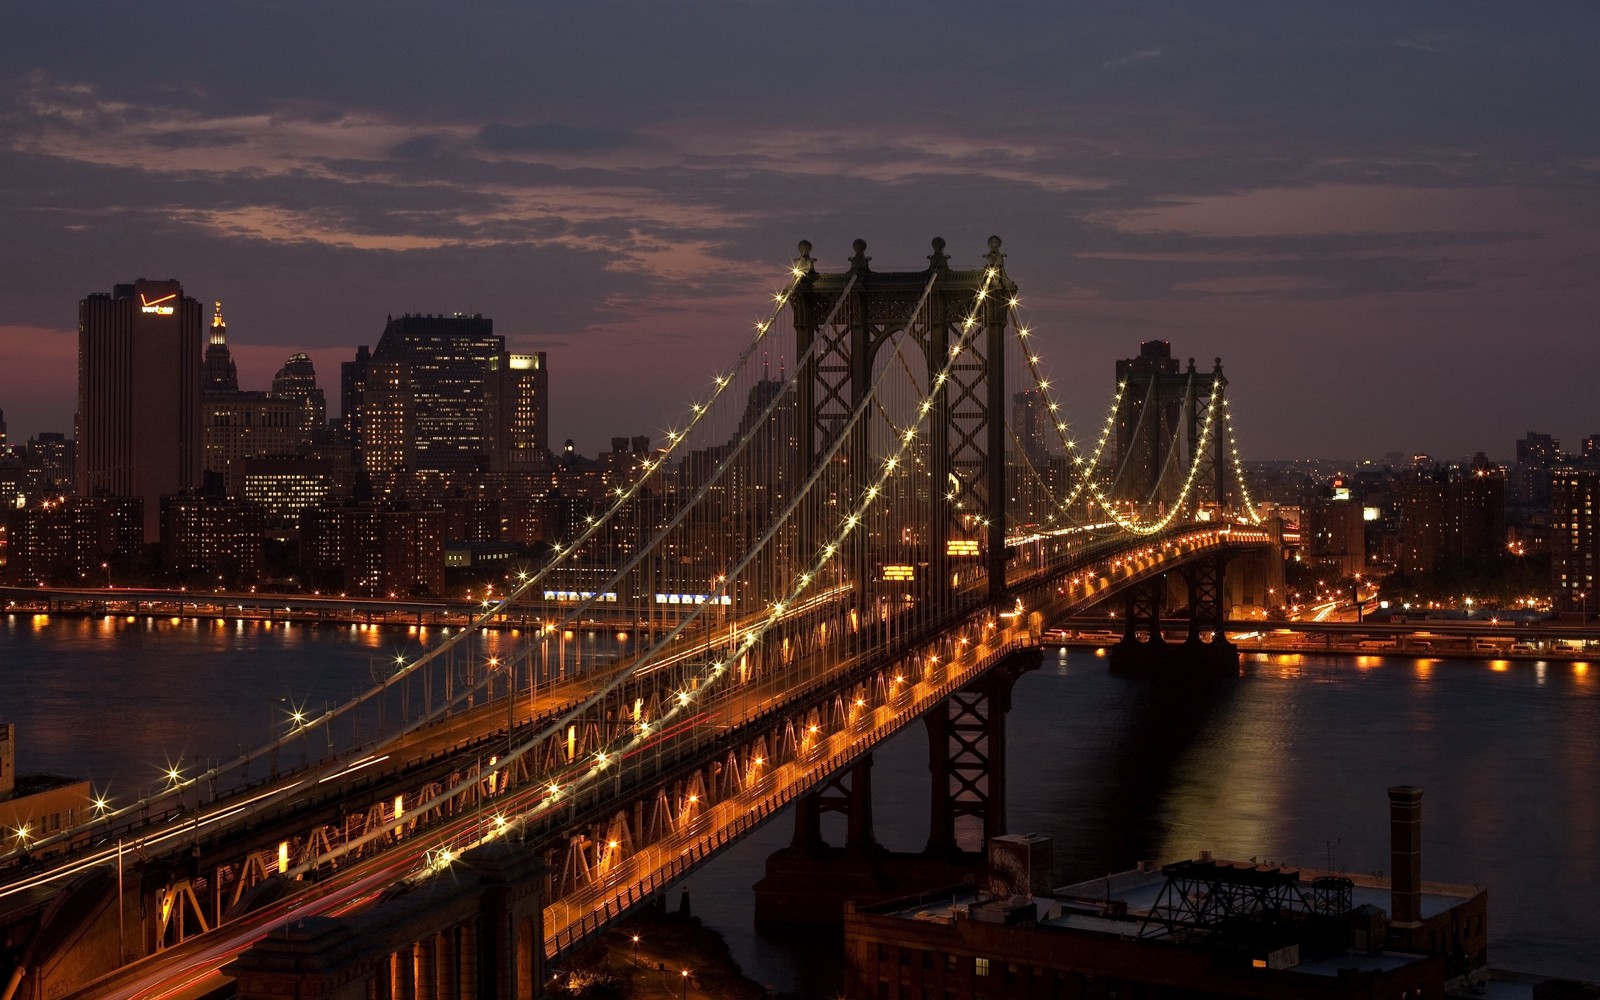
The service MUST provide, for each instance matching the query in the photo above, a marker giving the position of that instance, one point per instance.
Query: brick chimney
(1405, 854)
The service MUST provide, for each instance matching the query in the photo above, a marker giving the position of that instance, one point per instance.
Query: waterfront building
(36, 806)
(73, 541)
(1333, 529)
(139, 375)
(1574, 538)
(1201, 929)
(352, 380)
(447, 360)
(206, 539)
(1030, 416)
(1529, 482)
(296, 381)
(1452, 519)
(374, 548)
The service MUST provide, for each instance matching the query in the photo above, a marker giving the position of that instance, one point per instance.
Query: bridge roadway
(628, 883)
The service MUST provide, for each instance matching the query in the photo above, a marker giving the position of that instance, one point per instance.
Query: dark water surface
(1288, 764)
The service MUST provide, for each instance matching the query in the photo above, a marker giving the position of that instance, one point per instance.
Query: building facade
(447, 358)
(139, 376)
(1574, 537)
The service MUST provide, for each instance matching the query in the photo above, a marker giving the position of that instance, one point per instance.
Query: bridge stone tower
(966, 429)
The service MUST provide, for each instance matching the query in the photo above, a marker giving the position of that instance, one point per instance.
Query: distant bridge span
(820, 558)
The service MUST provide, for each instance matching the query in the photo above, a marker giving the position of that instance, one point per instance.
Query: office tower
(2, 431)
(1147, 426)
(1575, 537)
(1030, 421)
(297, 381)
(241, 425)
(222, 375)
(139, 376)
(516, 412)
(388, 435)
(352, 379)
(448, 359)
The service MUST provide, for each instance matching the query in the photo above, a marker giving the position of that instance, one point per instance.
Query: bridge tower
(966, 429)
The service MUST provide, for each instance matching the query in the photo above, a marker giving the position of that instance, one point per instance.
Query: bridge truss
(810, 561)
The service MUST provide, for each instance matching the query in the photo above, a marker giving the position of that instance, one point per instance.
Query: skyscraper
(297, 381)
(222, 375)
(139, 375)
(1147, 423)
(448, 359)
(517, 412)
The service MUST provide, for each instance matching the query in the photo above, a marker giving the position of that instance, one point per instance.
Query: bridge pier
(1205, 650)
(809, 882)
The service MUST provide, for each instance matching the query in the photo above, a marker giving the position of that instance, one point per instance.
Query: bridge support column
(853, 798)
(967, 756)
(1204, 651)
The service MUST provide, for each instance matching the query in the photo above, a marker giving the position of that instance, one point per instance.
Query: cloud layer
(1384, 220)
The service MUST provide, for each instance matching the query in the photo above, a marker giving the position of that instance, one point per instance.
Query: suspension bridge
(808, 564)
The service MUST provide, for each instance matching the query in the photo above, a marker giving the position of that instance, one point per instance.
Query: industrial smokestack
(1405, 854)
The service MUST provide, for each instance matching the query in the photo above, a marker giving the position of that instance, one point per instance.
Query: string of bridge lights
(302, 724)
(696, 684)
(1087, 466)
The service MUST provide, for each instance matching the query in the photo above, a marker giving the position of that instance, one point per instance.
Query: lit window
(980, 967)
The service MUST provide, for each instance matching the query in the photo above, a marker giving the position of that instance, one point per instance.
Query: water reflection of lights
(1425, 667)
(1499, 666)
(1368, 662)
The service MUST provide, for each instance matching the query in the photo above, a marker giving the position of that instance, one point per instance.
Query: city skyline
(1381, 219)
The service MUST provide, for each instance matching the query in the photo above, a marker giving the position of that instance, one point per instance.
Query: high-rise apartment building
(517, 412)
(1575, 537)
(448, 359)
(139, 377)
(1452, 519)
(388, 434)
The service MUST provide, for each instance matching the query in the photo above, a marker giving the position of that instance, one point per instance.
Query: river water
(1289, 764)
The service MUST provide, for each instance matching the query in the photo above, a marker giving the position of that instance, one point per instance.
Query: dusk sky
(1385, 218)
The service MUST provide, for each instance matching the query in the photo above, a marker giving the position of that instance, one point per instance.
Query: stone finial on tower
(859, 261)
(994, 259)
(1191, 366)
(938, 260)
(803, 264)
